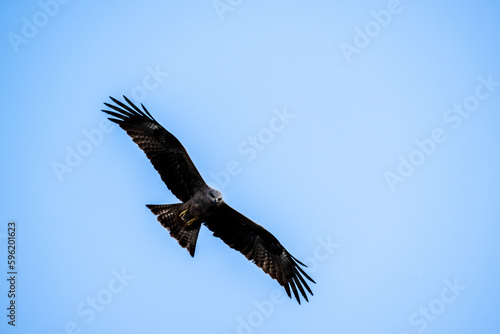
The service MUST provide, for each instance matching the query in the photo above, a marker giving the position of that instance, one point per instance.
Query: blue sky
(364, 136)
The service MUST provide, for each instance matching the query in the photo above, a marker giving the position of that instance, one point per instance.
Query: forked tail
(168, 216)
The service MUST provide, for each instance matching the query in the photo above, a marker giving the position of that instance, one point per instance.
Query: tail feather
(168, 216)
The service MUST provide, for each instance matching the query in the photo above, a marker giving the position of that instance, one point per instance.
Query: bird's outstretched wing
(165, 152)
(260, 246)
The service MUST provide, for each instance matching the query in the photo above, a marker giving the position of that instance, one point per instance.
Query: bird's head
(215, 196)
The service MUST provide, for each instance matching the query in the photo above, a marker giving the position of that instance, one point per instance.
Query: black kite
(202, 204)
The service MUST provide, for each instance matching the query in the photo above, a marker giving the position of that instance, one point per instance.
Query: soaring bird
(201, 204)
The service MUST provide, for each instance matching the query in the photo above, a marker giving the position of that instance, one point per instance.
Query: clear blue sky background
(383, 178)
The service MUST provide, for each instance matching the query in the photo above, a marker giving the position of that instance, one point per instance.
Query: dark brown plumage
(201, 204)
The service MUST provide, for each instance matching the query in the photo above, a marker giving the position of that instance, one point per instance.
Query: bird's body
(201, 204)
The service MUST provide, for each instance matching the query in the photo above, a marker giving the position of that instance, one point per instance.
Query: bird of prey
(201, 204)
